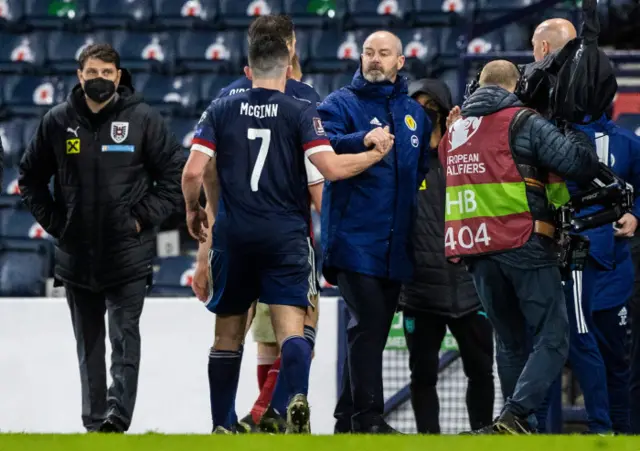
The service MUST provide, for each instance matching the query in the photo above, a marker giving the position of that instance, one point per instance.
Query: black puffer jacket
(110, 170)
(438, 286)
(537, 142)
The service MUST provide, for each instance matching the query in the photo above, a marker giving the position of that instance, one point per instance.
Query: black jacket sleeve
(571, 155)
(164, 160)
(1, 164)
(37, 166)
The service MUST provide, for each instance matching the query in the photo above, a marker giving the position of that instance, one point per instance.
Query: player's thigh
(262, 329)
(236, 283)
(250, 317)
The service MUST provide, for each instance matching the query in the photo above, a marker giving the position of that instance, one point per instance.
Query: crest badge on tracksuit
(119, 131)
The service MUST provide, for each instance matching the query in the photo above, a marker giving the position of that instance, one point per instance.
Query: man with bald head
(550, 36)
(366, 221)
(499, 158)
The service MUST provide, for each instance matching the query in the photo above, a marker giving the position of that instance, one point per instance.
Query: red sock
(265, 393)
(263, 372)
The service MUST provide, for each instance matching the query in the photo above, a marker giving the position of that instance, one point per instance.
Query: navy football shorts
(239, 278)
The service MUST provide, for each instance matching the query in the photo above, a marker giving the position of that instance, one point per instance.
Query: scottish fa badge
(119, 131)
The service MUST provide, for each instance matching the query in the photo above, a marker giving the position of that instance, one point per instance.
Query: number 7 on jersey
(264, 134)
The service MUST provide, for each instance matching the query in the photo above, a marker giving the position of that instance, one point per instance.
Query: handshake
(380, 140)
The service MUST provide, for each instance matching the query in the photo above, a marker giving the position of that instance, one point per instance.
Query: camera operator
(498, 219)
(584, 355)
(442, 294)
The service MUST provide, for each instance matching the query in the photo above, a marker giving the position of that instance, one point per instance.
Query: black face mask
(99, 89)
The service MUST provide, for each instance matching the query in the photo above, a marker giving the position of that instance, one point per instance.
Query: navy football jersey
(293, 88)
(260, 139)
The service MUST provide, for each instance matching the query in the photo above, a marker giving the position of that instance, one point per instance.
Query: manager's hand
(380, 139)
(453, 117)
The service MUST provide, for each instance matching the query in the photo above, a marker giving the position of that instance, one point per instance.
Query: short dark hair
(268, 57)
(279, 25)
(102, 52)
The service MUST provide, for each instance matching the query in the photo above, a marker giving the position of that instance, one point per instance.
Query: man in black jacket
(116, 172)
(442, 294)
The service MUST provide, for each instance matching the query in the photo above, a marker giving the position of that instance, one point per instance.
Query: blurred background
(182, 52)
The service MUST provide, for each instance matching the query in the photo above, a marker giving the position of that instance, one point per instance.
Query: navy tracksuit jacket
(597, 301)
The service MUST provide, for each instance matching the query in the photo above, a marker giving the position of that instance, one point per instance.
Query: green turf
(157, 442)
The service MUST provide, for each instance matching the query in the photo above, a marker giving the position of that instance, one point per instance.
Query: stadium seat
(305, 15)
(378, 13)
(11, 134)
(516, 38)
(502, 5)
(320, 82)
(211, 87)
(64, 48)
(240, 13)
(19, 224)
(169, 93)
(11, 12)
(183, 129)
(172, 276)
(144, 51)
(437, 12)
(211, 52)
(29, 94)
(112, 13)
(630, 122)
(186, 13)
(29, 130)
(333, 52)
(20, 52)
(10, 181)
(302, 46)
(49, 14)
(24, 268)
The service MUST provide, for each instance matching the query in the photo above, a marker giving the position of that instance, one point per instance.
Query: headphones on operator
(473, 85)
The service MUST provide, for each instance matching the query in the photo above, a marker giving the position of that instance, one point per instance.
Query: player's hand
(200, 283)
(628, 224)
(453, 117)
(198, 223)
(380, 139)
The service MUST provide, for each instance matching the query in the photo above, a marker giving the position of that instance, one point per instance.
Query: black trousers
(124, 305)
(371, 303)
(473, 332)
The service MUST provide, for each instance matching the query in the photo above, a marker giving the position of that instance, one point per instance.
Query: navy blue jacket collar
(361, 86)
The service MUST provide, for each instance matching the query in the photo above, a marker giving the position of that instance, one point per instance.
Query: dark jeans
(371, 302)
(518, 300)
(424, 333)
(124, 305)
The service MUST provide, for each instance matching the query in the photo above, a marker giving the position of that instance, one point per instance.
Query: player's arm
(315, 183)
(212, 194)
(318, 149)
(203, 151)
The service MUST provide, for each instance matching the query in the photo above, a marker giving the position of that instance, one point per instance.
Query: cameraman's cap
(436, 89)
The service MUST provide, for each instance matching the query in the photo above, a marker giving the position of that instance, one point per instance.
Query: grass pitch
(157, 442)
